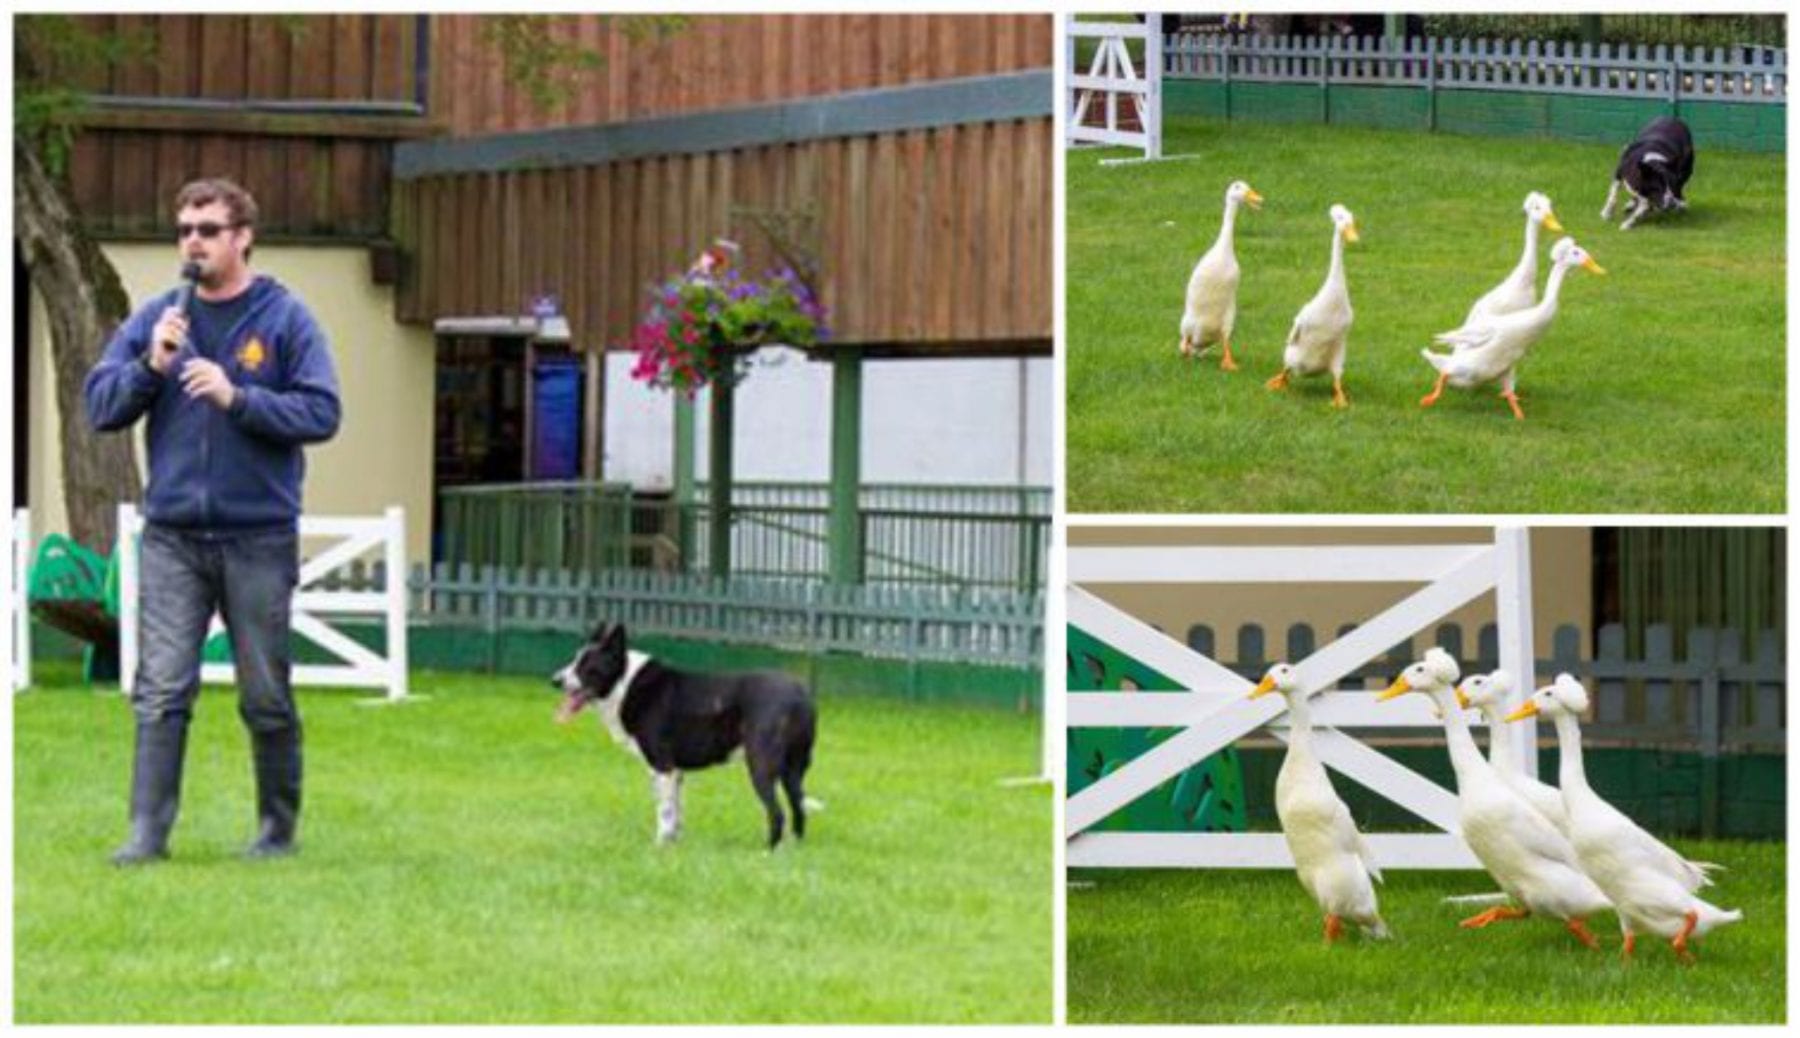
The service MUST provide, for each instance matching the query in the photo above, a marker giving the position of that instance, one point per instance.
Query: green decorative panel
(1277, 102)
(1208, 797)
(1492, 113)
(1193, 97)
(1601, 120)
(1499, 113)
(1739, 127)
(1384, 107)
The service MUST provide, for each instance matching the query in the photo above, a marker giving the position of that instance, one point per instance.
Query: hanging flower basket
(702, 326)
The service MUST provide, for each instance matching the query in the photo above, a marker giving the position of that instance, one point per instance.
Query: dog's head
(1653, 179)
(594, 673)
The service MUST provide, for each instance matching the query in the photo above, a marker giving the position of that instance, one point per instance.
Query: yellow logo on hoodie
(251, 354)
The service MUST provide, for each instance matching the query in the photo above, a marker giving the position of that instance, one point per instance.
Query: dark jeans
(249, 579)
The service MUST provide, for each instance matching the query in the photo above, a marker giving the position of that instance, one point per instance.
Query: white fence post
(1215, 710)
(21, 600)
(394, 559)
(1512, 613)
(130, 527)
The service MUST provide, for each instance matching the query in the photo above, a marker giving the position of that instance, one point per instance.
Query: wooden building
(917, 150)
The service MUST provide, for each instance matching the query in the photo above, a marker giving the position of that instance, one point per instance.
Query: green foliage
(466, 860)
(538, 57)
(1239, 946)
(1708, 30)
(1657, 389)
(52, 55)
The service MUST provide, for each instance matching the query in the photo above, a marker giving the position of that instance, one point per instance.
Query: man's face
(206, 236)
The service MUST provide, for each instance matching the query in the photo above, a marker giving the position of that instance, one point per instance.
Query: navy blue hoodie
(236, 468)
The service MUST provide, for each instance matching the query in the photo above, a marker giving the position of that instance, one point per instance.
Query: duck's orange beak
(1462, 699)
(1263, 687)
(1526, 709)
(1398, 688)
(1254, 199)
(1550, 222)
(1589, 264)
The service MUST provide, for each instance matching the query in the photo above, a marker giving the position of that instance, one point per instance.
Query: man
(233, 389)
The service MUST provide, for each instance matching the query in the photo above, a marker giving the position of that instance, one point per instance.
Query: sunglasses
(208, 230)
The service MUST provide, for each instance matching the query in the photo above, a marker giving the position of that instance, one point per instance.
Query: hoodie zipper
(251, 311)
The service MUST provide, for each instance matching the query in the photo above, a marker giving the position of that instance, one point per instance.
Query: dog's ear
(599, 633)
(614, 640)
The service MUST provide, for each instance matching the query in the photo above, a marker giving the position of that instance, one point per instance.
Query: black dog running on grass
(678, 721)
(1654, 169)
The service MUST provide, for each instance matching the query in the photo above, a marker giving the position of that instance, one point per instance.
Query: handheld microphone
(190, 276)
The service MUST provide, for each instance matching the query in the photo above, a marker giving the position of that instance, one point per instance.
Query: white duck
(1519, 290)
(1333, 862)
(1650, 884)
(1491, 694)
(1317, 341)
(1212, 288)
(1494, 350)
(1525, 854)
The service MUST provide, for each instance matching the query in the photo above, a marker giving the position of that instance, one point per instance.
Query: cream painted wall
(381, 456)
(1561, 584)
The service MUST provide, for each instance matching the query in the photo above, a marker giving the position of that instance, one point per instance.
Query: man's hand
(204, 380)
(166, 339)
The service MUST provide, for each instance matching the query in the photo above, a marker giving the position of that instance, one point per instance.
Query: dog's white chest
(613, 705)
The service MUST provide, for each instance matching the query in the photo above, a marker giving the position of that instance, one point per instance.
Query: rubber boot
(277, 792)
(155, 790)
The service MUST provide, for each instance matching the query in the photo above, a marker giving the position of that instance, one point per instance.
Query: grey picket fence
(960, 625)
(1726, 693)
(1659, 72)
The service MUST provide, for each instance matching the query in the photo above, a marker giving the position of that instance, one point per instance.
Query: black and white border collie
(677, 721)
(1654, 169)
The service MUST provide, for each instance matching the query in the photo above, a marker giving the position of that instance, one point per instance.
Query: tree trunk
(86, 302)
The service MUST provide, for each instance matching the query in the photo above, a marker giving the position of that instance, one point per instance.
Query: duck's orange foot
(1578, 927)
(1493, 915)
(1334, 928)
(1512, 401)
(1279, 382)
(1680, 943)
(1436, 391)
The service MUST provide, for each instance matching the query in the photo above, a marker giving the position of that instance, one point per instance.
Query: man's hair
(238, 202)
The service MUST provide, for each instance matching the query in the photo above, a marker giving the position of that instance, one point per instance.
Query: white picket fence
(19, 644)
(1216, 710)
(1113, 76)
(354, 536)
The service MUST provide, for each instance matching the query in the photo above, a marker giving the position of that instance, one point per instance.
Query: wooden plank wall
(307, 184)
(729, 61)
(230, 57)
(935, 238)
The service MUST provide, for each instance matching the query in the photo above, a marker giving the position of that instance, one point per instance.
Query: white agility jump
(358, 666)
(1216, 710)
(1112, 76)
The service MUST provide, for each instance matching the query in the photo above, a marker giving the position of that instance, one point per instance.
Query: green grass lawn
(1246, 947)
(1660, 387)
(466, 860)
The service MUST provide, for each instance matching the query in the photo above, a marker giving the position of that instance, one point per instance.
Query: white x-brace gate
(1217, 711)
(1111, 76)
(360, 666)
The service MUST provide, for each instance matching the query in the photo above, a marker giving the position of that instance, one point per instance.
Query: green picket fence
(924, 535)
(952, 625)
